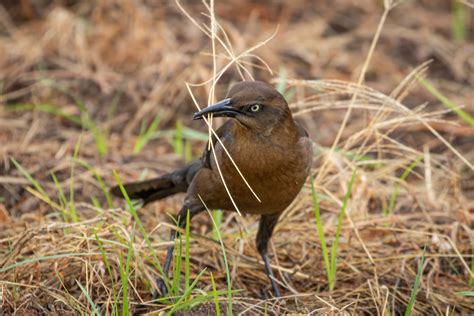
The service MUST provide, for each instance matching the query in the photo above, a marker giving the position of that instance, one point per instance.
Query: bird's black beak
(222, 108)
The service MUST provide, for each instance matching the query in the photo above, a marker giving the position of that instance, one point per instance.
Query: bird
(273, 154)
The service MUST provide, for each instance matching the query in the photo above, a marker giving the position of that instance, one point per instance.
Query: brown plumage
(272, 151)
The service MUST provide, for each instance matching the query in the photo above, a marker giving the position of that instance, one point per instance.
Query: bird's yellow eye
(255, 108)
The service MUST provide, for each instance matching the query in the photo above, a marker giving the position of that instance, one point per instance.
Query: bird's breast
(275, 173)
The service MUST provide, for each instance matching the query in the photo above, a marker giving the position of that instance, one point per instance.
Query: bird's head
(254, 104)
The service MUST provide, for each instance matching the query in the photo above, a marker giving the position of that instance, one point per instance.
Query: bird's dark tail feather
(161, 187)
(149, 190)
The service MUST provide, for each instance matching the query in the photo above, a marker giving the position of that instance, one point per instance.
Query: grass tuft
(133, 212)
(330, 263)
(227, 271)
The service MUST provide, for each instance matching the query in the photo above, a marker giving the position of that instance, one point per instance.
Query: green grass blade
(39, 193)
(216, 296)
(112, 108)
(95, 202)
(45, 108)
(281, 85)
(124, 287)
(107, 265)
(146, 134)
(227, 271)
(120, 239)
(404, 175)
(188, 151)
(28, 176)
(192, 302)
(61, 195)
(125, 274)
(102, 185)
(186, 258)
(62, 198)
(177, 266)
(217, 215)
(460, 21)
(411, 303)
(104, 257)
(192, 134)
(99, 137)
(72, 206)
(322, 239)
(448, 103)
(99, 179)
(95, 309)
(335, 244)
(178, 139)
(186, 293)
(187, 133)
(70, 298)
(282, 76)
(84, 120)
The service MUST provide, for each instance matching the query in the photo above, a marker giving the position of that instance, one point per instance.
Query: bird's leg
(193, 210)
(265, 230)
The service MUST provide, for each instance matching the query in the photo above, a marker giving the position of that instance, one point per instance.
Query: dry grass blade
(356, 91)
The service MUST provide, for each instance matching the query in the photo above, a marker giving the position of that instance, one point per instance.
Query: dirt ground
(81, 83)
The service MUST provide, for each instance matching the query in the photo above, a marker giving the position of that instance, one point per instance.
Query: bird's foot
(270, 275)
(267, 294)
(163, 290)
(276, 290)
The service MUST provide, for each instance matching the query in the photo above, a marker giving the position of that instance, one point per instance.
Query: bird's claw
(160, 283)
(276, 290)
(267, 294)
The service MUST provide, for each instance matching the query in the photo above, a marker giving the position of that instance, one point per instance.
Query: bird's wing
(221, 133)
(301, 131)
(306, 146)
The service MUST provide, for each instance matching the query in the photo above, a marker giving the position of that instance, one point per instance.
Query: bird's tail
(161, 187)
(149, 190)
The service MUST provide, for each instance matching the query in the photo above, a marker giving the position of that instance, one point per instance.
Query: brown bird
(273, 153)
